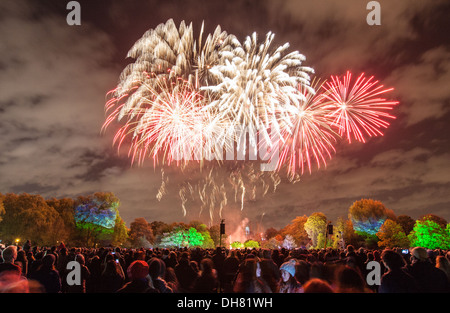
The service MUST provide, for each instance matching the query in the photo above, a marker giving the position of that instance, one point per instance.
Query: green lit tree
(237, 245)
(435, 218)
(429, 234)
(173, 239)
(181, 237)
(251, 244)
(315, 226)
(194, 238)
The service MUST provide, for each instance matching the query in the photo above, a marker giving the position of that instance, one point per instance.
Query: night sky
(54, 78)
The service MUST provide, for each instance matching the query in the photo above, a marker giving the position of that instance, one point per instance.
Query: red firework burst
(357, 108)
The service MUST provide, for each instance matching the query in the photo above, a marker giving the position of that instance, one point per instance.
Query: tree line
(84, 221)
(94, 220)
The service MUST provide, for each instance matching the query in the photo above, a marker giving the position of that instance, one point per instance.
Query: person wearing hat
(139, 280)
(288, 283)
(429, 278)
(248, 278)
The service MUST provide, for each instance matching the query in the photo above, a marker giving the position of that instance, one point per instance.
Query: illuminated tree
(181, 237)
(350, 236)
(194, 238)
(2, 207)
(437, 219)
(297, 230)
(95, 217)
(406, 222)
(338, 233)
(159, 229)
(429, 234)
(237, 245)
(272, 243)
(214, 233)
(173, 239)
(29, 217)
(289, 242)
(320, 241)
(271, 232)
(140, 231)
(315, 225)
(120, 234)
(251, 244)
(391, 235)
(368, 215)
(208, 242)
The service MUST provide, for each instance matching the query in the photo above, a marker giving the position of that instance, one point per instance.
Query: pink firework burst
(167, 124)
(309, 139)
(357, 107)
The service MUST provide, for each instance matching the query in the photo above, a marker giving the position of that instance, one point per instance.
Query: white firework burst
(255, 84)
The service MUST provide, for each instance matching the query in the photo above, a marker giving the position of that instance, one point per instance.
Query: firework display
(357, 108)
(219, 102)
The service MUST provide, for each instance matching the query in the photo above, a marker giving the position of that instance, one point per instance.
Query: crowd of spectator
(29, 269)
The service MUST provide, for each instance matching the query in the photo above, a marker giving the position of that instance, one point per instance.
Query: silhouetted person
(112, 277)
(47, 275)
(350, 280)
(396, 280)
(269, 270)
(317, 285)
(230, 269)
(207, 281)
(443, 264)
(157, 271)
(185, 273)
(429, 278)
(247, 280)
